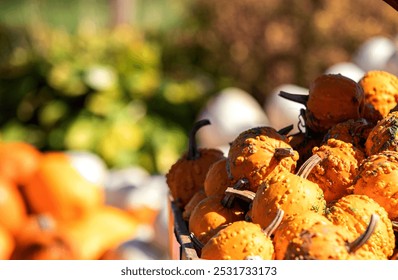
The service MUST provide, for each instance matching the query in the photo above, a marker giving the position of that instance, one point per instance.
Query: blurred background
(124, 80)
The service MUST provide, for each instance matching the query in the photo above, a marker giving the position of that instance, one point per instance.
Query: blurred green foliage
(97, 90)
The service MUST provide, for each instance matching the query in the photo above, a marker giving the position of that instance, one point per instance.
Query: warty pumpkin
(380, 90)
(325, 241)
(383, 136)
(332, 98)
(353, 213)
(187, 175)
(58, 189)
(338, 167)
(257, 152)
(242, 240)
(378, 179)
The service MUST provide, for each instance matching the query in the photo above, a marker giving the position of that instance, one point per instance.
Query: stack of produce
(325, 192)
(54, 208)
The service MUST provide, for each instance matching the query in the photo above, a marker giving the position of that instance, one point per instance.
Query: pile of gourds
(49, 210)
(326, 192)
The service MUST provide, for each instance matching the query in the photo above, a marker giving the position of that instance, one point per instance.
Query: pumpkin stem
(246, 195)
(193, 152)
(281, 153)
(285, 130)
(394, 225)
(299, 98)
(269, 230)
(196, 242)
(364, 237)
(306, 168)
(229, 197)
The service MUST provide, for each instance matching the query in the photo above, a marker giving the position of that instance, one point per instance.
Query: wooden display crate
(180, 245)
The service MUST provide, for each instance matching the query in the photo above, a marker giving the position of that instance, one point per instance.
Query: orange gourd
(12, 206)
(217, 178)
(187, 175)
(7, 243)
(99, 231)
(188, 208)
(58, 189)
(258, 152)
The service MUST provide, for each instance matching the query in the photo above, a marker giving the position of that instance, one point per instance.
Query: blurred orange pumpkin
(7, 243)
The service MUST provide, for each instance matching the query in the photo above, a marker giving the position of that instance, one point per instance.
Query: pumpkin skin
(210, 215)
(42, 239)
(289, 192)
(381, 90)
(378, 179)
(12, 205)
(291, 228)
(383, 136)
(353, 213)
(217, 179)
(239, 241)
(187, 175)
(58, 189)
(337, 170)
(7, 243)
(252, 155)
(332, 98)
(197, 197)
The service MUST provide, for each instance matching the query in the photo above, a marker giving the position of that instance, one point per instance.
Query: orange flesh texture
(381, 90)
(238, 241)
(383, 136)
(294, 195)
(337, 170)
(378, 179)
(353, 212)
(251, 156)
(291, 228)
(217, 180)
(333, 98)
(209, 216)
(186, 177)
(320, 242)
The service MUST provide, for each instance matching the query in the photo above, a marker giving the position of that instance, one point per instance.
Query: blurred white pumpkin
(282, 112)
(347, 69)
(230, 112)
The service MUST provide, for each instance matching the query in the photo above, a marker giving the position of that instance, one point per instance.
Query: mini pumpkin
(324, 241)
(378, 179)
(187, 175)
(332, 98)
(383, 136)
(42, 239)
(353, 213)
(380, 90)
(196, 198)
(289, 192)
(217, 178)
(338, 167)
(258, 152)
(242, 240)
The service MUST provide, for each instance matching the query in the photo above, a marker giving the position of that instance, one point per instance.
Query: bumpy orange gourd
(12, 205)
(99, 231)
(353, 213)
(211, 215)
(289, 192)
(42, 239)
(325, 241)
(337, 169)
(383, 136)
(378, 179)
(58, 189)
(381, 90)
(258, 152)
(242, 240)
(291, 228)
(187, 175)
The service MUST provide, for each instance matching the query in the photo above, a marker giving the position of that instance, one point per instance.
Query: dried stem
(281, 153)
(299, 98)
(308, 165)
(193, 152)
(364, 237)
(285, 130)
(275, 222)
(229, 197)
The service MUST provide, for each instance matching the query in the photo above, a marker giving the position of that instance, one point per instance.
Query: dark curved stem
(229, 197)
(285, 130)
(281, 153)
(299, 98)
(196, 242)
(364, 237)
(192, 147)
